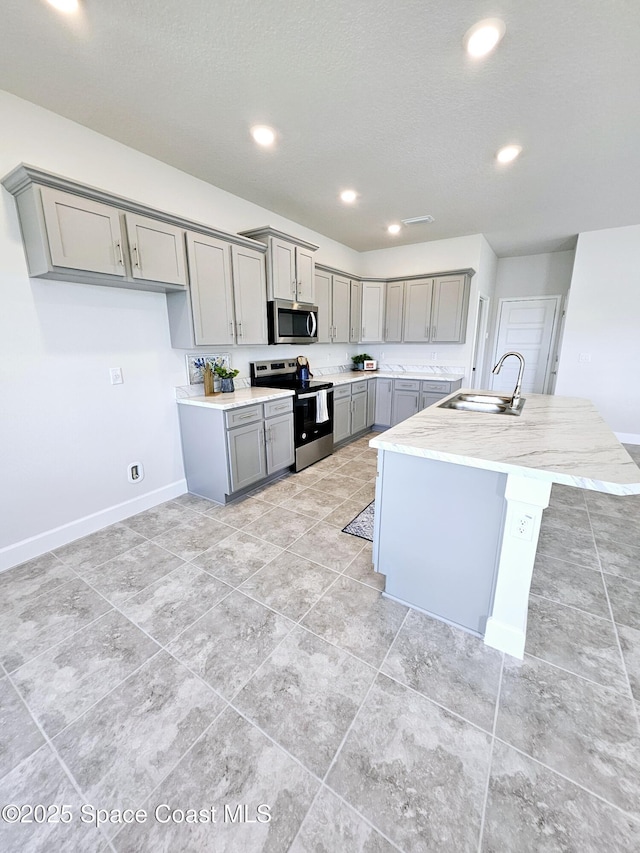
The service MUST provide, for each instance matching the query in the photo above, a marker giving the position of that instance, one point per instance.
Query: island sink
(485, 401)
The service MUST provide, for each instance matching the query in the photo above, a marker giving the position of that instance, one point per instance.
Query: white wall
(603, 323)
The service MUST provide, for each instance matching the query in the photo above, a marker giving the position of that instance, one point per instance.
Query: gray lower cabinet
(350, 409)
(384, 401)
(227, 452)
(432, 392)
(405, 405)
(341, 418)
(358, 412)
(371, 402)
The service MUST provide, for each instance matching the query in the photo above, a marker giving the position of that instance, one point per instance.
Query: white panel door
(526, 326)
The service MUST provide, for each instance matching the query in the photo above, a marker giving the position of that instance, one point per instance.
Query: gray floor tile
(583, 730)
(567, 518)
(152, 522)
(309, 476)
(280, 527)
(41, 779)
(622, 560)
(289, 584)
(240, 512)
(578, 548)
(356, 618)
(63, 682)
(530, 808)
(570, 584)
(447, 665)
(314, 503)
(634, 452)
(361, 569)
(332, 826)
(613, 505)
(306, 696)
(575, 640)
(190, 538)
(339, 486)
(366, 494)
(228, 644)
(122, 747)
(328, 546)
(360, 468)
(624, 596)
(237, 557)
(19, 735)
(195, 502)
(630, 643)
(232, 764)
(345, 512)
(616, 531)
(281, 490)
(123, 576)
(416, 772)
(567, 496)
(31, 579)
(331, 464)
(38, 623)
(173, 603)
(99, 547)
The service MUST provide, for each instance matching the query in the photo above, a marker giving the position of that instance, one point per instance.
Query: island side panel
(438, 532)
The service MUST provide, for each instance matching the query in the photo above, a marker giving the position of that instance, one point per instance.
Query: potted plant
(359, 360)
(227, 376)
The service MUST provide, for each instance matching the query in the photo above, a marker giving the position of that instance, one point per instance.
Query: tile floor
(197, 655)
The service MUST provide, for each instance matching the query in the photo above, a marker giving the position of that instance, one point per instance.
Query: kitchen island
(459, 501)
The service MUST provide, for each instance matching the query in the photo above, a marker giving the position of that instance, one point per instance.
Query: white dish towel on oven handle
(322, 411)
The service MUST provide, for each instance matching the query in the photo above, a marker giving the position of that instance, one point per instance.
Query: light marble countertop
(241, 397)
(561, 439)
(359, 375)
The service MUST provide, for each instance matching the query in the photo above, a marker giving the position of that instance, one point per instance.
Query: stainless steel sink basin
(492, 404)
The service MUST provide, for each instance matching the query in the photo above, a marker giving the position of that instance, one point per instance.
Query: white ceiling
(374, 95)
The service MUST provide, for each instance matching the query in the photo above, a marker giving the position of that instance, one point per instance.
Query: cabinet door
(282, 268)
(417, 310)
(82, 234)
(449, 320)
(305, 269)
(341, 419)
(405, 404)
(384, 398)
(372, 312)
(354, 313)
(358, 413)
(249, 295)
(340, 314)
(323, 301)
(157, 250)
(279, 443)
(247, 462)
(371, 402)
(211, 290)
(427, 400)
(394, 306)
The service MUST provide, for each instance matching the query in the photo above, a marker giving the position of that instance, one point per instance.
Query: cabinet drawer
(406, 384)
(359, 387)
(245, 415)
(278, 407)
(435, 387)
(341, 392)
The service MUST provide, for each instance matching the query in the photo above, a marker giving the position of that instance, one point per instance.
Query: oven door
(305, 414)
(292, 322)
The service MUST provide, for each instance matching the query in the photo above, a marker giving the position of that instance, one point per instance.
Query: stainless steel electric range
(312, 408)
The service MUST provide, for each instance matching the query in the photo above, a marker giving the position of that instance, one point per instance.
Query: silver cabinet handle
(137, 256)
(293, 287)
(231, 329)
(240, 330)
(434, 333)
(119, 257)
(244, 417)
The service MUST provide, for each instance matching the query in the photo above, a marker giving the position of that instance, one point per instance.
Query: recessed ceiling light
(348, 196)
(67, 6)
(484, 36)
(394, 228)
(508, 153)
(263, 135)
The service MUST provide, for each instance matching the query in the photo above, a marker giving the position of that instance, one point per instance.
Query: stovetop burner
(279, 374)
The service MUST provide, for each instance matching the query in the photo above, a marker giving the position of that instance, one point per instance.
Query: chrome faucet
(515, 398)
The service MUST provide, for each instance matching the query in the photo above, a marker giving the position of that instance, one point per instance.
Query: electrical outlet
(584, 358)
(135, 472)
(522, 527)
(434, 356)
(116, 375)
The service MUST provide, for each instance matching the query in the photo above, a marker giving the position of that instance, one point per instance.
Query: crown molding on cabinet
(262, 234)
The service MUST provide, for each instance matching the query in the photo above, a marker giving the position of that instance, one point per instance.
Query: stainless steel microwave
(292, 322)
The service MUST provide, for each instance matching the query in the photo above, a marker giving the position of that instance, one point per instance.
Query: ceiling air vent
(417, 220)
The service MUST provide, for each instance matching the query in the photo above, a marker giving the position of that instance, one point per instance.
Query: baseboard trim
(505, 638)
(27, 549)
(627, 437)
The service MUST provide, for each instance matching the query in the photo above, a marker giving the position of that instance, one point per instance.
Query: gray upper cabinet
(394, 309)
(290, 264)
(417, 310)
(156, 249)
(211, 290)
(373, 294)
(332, 296)
(450, 305)
(323, 301)
(249, 291)
(82, 234)
(355, 312)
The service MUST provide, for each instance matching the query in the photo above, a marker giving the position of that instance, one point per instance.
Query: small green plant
(225, 372)
(360, 359)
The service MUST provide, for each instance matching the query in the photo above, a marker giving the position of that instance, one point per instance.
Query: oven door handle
(313, 394)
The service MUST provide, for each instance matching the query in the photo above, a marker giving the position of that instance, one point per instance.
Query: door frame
(553, 340)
